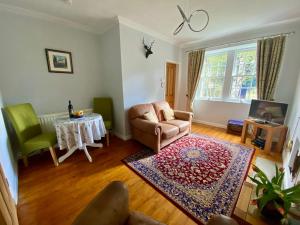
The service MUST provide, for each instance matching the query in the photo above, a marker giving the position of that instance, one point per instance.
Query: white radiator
(47, 120)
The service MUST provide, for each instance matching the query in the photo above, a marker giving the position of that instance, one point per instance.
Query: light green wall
(112, 76)
(24, 75)
(142, 77)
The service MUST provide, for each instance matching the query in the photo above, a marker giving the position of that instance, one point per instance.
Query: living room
(139, 55)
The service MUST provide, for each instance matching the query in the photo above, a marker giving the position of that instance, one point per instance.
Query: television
(268, 111)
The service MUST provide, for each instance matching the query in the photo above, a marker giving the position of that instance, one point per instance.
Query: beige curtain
(269, 55)
(195, 63)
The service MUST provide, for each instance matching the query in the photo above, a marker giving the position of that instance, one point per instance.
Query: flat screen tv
(268, 112)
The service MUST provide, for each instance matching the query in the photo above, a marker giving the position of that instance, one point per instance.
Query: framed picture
(59, 61)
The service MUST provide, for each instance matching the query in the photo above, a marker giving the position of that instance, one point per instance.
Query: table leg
(107, 138)
(244, 132)
(87, 153)
(268, 144)
(70, 152)
(95, 145)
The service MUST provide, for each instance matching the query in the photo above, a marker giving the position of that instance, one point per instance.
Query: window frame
(211, 53)
(228, 78)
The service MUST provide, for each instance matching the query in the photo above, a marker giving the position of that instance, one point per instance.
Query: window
(229, 74)
(213, 75)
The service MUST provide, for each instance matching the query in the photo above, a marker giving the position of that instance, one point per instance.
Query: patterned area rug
(200, 174)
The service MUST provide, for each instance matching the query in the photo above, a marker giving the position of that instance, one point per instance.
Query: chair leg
(53, 154)
(107, 138)
(25, 161)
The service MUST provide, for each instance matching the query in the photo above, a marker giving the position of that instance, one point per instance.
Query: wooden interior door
(8, 211)
(170, 83)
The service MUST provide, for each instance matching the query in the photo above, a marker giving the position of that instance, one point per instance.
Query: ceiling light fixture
(69, 2)
(188, 20)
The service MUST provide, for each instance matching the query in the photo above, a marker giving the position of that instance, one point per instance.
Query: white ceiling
(161, 16)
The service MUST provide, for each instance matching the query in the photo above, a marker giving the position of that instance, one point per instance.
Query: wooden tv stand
(270, 129)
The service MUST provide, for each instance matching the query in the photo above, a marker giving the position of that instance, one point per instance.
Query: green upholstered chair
(104, 106)
(28, 131)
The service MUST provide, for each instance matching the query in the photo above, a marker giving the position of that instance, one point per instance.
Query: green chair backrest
(24, 120)
(104, 106)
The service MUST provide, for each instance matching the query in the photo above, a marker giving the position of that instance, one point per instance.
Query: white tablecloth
(75, 133)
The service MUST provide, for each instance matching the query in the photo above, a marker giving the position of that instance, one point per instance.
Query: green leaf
(287, 205)
(275, 178)
(276, 169)
(261, 173)
(255, 181)
(295, 195)
(279, 182)
(279, 193)
(276, 187)
(292, 189)
(258, 177)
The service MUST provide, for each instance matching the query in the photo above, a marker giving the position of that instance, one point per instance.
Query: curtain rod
(245, 40)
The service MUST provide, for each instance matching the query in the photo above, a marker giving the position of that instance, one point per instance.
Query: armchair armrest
(146, 126)
(183, 115)
(109, 207)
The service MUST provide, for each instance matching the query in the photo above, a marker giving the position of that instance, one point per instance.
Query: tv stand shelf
(270, 130)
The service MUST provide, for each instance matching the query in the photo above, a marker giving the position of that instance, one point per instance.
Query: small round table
(77, 133)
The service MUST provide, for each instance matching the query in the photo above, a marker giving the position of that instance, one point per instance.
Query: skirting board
(122, 136)
(210, 123)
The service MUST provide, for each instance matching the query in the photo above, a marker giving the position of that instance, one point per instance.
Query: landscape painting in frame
(59, 61)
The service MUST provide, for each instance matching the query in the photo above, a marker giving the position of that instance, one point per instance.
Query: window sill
(224, 100)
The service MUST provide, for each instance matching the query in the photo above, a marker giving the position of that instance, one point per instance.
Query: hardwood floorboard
(49, 195)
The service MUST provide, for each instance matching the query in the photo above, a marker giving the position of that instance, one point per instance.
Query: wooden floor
(49, 195)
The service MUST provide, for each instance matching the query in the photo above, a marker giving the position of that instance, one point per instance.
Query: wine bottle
(70, 109)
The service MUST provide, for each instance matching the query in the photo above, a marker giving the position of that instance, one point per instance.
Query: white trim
(47, 17)
(209, 123)
(177, 81)
(184, 45)
(146, 30)
(122, 136)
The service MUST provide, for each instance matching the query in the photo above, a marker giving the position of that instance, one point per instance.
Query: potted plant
(272, 200)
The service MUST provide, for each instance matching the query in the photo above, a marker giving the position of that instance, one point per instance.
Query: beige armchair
(158, 135)
(110, 207)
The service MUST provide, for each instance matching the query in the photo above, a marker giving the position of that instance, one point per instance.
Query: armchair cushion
(151, 117)
(40, 141)
(138, 111)
(168, 131)
(108, 124)
(146, 126)
(159, 107)
(104, 107)
(168, 114)
(181, 124)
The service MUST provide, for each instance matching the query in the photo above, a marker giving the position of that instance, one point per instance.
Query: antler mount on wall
(148, 48)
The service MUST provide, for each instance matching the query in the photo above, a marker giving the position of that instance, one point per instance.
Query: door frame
(8, 208)
(177, 87)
